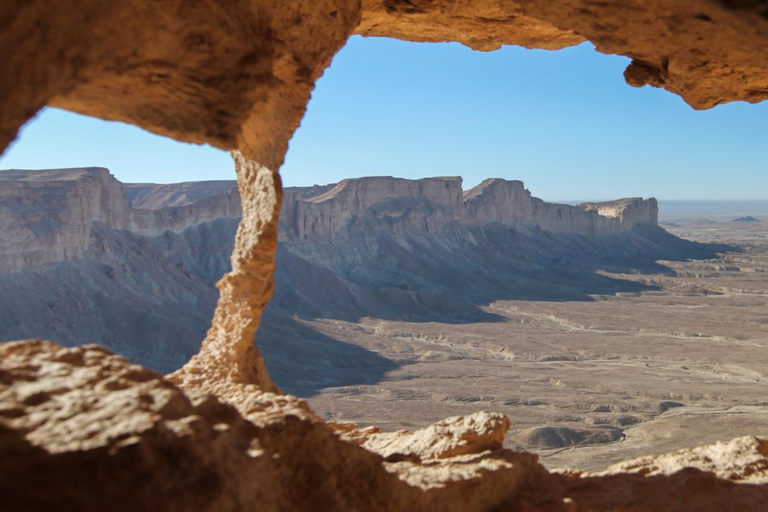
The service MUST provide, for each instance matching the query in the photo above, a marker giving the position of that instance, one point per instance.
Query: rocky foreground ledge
(83, 429)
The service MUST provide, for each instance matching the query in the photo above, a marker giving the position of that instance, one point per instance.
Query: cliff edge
(434, 204)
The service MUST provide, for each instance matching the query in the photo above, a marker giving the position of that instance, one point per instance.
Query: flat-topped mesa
(422, 205)
(46, 215)
(630, 211)
(154, 218)
(509, 202)
(433, 204)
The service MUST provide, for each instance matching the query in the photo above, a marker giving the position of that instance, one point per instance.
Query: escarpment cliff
(179, 217)
(142, 283)
(89, 259)
(47, 216)
(435, 204)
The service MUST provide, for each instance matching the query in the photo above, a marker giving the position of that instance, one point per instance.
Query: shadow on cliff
(450, 277)
(303, 361)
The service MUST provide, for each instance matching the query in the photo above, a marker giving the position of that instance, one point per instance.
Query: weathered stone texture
(82, 429)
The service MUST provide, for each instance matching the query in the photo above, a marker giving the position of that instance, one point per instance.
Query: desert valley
(600, 334)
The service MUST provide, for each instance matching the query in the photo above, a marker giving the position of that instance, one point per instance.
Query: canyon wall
(178, 218)
(434, 204)
(46, 216)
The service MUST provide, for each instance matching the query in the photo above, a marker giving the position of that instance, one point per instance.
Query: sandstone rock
(744, 459)
(458, 435)
(82, 429)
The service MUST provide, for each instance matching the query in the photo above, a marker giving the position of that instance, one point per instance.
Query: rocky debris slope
(148, 298)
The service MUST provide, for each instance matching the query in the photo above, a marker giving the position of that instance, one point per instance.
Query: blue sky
(564, 122)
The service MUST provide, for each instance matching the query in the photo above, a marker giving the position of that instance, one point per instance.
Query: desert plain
(679, 360)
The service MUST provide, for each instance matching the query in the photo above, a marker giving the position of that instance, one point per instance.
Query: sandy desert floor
(588, 383)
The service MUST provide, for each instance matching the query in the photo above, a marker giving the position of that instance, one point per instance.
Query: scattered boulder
(667, 405)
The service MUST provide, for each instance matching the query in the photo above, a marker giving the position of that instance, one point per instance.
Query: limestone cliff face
(434, 204)
(629, 211)
(46, 216)
(508, 202)
(178, 218)
(332, 213)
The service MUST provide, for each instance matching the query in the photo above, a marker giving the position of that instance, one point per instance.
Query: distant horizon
(569, 201)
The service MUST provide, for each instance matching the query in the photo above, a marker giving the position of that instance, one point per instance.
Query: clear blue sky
(564, 122)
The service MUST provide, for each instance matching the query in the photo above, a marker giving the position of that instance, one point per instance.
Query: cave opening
(240, 78)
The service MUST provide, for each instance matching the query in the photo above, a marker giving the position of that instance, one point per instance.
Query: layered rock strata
(178, 218)
(434, 204)
(48, 215)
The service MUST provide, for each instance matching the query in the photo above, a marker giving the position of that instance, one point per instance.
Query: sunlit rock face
(509, 203)
(334, 213)
(46, 216)
(435, 204)
(629, 211)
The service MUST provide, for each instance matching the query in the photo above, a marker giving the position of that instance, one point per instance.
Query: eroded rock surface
(439, 204)
(47, 216)
(454, 436)
(82, 429)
